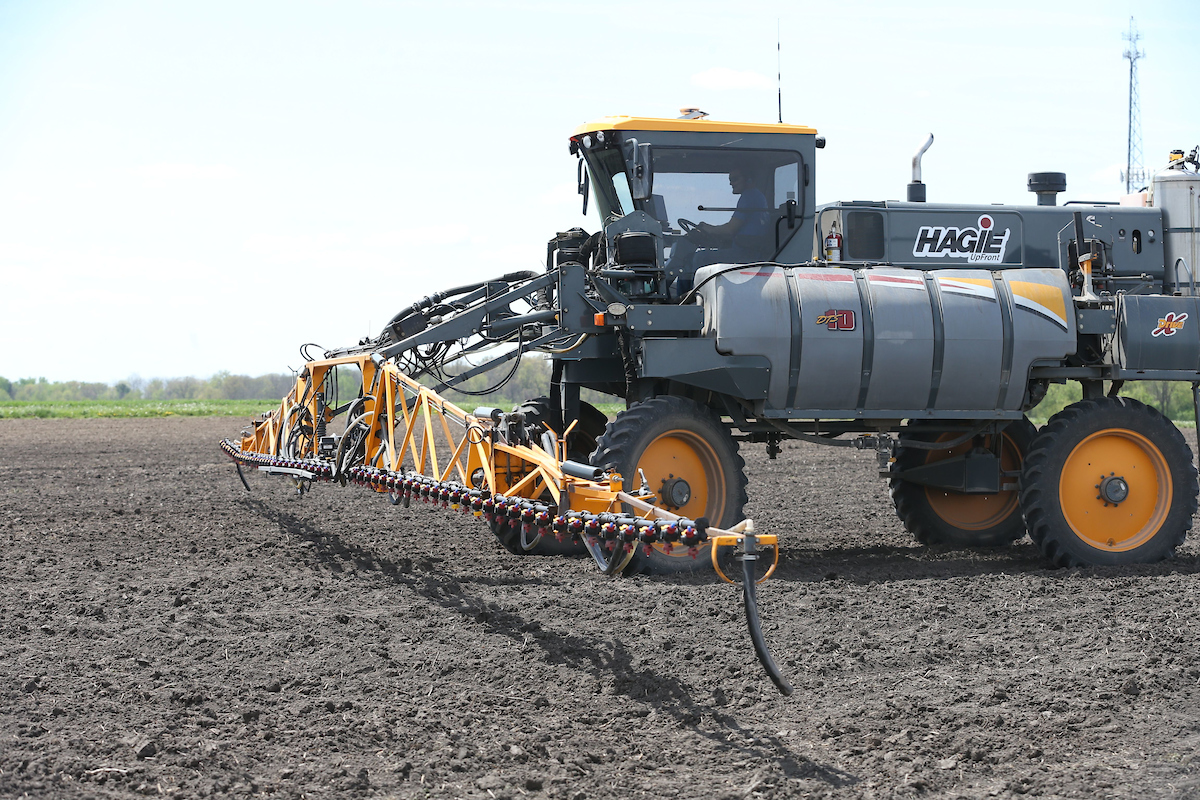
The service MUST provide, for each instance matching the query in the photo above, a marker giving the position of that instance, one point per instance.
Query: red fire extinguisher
(833, 246)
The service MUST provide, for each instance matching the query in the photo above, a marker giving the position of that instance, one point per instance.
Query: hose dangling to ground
(750, 598)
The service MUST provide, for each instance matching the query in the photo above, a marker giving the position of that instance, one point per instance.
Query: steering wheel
(688, 226)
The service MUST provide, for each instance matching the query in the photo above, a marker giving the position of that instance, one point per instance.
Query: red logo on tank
(836, 319)
(1168, 324)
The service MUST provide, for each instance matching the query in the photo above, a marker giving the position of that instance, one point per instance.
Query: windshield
(699, 185)
(735, 197)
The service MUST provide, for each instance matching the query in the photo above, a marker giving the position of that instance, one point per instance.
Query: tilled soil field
(162, 631)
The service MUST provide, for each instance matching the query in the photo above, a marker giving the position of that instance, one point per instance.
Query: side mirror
(641, 169)
(581, 177)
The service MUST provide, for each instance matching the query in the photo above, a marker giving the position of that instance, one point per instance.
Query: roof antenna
(778, 71)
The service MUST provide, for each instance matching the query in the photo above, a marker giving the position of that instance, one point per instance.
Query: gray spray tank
(1177, 192)
(890, 342)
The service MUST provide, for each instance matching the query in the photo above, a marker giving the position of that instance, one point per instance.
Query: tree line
(222, 386)
(532, 379)
(1174, 399)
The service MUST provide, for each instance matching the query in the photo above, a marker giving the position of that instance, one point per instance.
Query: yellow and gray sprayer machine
(725, 308)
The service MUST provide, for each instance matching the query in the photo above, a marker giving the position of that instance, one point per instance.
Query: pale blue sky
(187, 187)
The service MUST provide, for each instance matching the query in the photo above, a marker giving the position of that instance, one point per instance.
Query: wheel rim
(686, 455)
(974, 512)
(1131, 457)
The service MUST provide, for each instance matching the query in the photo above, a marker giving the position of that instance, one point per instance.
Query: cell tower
(1134, 176)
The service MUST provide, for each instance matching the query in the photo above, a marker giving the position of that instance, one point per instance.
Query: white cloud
(723, 78)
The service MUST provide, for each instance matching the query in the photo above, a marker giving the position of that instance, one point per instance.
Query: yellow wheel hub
(1115, 489)
(974, 512)
(680, 454)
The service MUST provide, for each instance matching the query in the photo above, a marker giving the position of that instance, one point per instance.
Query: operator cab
(711, 192)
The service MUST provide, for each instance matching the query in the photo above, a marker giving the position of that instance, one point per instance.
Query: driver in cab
(743, 239)
(740, 238)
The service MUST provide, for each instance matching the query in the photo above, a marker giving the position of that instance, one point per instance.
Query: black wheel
(582, 443)
(690, 462)
(943, 517)
(298, 439)
(352, 447)
(1108, 481)
(540, 412)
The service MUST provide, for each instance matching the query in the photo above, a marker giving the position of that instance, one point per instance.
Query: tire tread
(1036, 478)
(619, 440)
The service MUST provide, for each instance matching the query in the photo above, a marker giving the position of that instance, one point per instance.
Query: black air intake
(1047, 185)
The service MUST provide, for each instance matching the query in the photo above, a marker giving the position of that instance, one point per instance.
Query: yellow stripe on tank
(1047, 299)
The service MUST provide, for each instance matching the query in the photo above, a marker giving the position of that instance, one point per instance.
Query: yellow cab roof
(704, 124)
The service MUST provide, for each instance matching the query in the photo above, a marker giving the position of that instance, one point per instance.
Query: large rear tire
(691, 463)
(943, 517)
(1109, 482)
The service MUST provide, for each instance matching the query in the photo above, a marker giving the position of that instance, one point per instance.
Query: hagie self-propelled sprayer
(725, 307)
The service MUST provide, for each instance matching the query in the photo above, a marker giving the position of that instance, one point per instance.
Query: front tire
(691, 463)
(1109, 481)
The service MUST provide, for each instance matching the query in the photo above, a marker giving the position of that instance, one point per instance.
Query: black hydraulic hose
(439, 372)
(916, 444)
(749, 597)
(240, 475)
(433, 299)
(814, 438)
(509, 324)
(628, 364)
(687, 298)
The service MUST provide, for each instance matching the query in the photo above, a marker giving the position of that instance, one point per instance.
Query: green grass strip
(86, 409)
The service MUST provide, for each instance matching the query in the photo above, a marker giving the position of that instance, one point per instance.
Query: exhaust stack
(916, 189)
(1047, 185)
